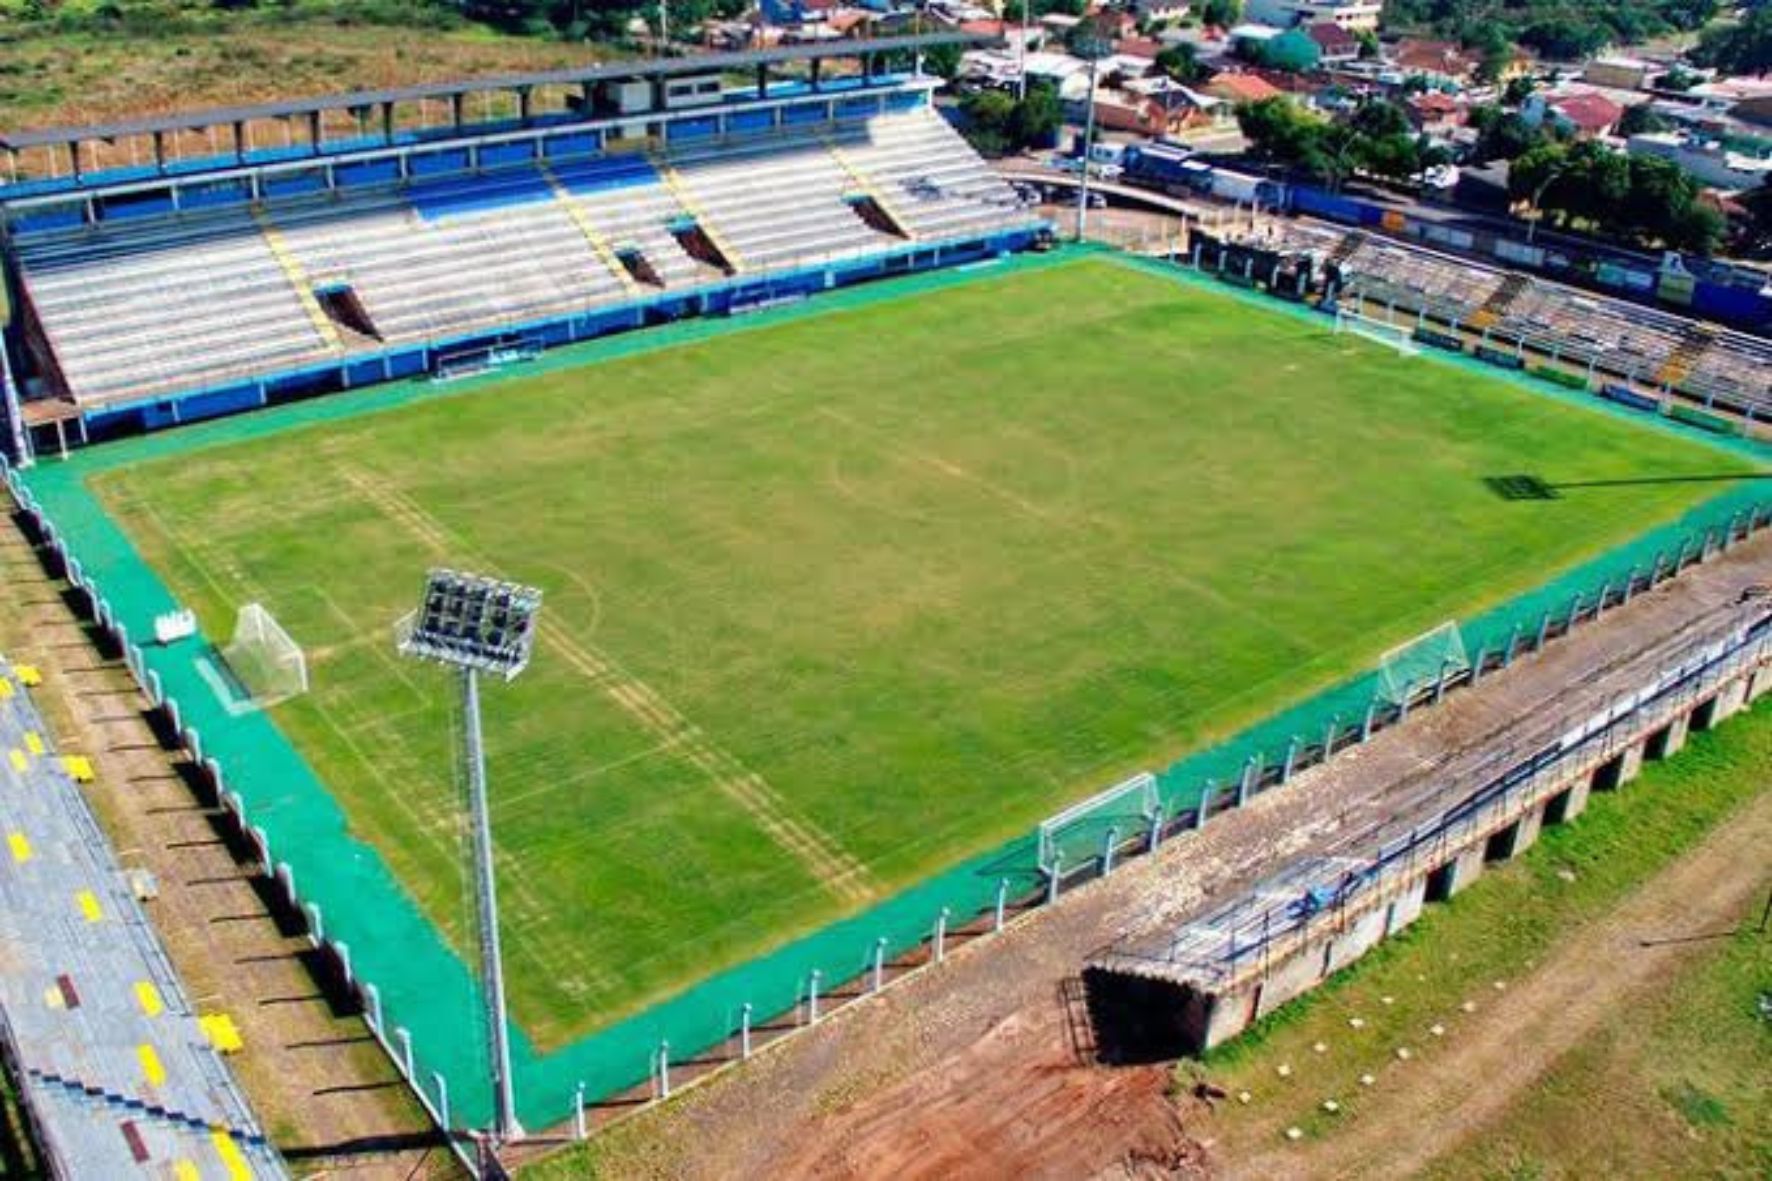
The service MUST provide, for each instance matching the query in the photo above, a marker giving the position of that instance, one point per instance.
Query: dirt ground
(325, 1092)
(982, 1068)
(1472, 1081)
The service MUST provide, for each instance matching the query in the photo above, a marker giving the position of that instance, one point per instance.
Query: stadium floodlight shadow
(1527, 486)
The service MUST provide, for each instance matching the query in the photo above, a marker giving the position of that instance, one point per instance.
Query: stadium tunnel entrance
(1138, 1020)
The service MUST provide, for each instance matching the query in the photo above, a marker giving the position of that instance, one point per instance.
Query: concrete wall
(1210, 1018)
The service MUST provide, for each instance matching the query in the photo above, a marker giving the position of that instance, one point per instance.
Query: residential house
(1336, 45)
(1352, 15)
(1619, 73)
(1716, 163)
(1440, 63)
(1584, 113)
(1435, 113)
(1236, 86)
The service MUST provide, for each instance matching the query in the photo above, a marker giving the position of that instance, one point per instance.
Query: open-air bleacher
(928, 179)
(116, 1074)
(136, 307)
(740, 195)
(165, 305)
(1642, 345)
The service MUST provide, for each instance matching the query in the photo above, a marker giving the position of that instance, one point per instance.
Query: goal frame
(1142, 787)
(1438, 651)
(1392, 336)
(255, 627)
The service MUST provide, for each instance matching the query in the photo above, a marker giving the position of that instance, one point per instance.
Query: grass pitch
(836, 601)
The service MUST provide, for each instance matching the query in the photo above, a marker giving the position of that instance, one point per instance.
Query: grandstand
(1645, 347)
(225, 282)
(117, 1074)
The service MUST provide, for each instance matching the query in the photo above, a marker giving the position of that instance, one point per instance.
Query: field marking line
(946, 467)
(829, 863)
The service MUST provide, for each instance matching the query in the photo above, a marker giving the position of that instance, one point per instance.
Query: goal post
(1077, 834)
(266, 661)
(1421, 662)
(1395, 336)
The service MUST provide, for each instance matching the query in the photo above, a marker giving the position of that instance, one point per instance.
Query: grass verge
(1496, 932)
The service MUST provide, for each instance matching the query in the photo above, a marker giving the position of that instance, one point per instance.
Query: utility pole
(1094, 51)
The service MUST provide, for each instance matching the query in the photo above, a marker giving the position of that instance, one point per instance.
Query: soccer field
(837, 600)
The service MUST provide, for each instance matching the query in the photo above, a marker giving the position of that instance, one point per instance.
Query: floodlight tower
(475, 625)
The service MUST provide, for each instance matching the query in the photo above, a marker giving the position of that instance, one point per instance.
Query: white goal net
(264, 659)
(1420, 663)
(1080, 832)
(1396, 336)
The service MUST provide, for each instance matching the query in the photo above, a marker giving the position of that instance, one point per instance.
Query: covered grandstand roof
(578, 75)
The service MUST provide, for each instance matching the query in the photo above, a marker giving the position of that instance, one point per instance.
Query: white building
(1353, 15)
(1707, 159)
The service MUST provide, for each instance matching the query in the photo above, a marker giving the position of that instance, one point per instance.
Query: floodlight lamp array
(472, 621)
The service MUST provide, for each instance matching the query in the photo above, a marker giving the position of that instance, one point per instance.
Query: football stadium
(896, 569)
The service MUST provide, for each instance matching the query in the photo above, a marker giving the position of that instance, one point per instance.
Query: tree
(1369, 45)
(1697, 229)
(1292, 51)
(1377, 118)
(997, 124)
(1279, 130)
(1565, 39)
(1181, 62)
(1519, 89)
(1503, 135)
(1222, 13)
(942, 60)
(1639, 118)
(1677, 79)
(1037, 118)
(1394, 157)
(988, 114)
(1745, 48)
(1757, 227)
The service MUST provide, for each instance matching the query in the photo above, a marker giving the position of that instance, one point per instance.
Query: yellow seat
(19, 761)
(29, 675)
(152, 1069)
(222, 1033)
(21, 847)
(78, 767)
(232, 1159)
(87, 901)
(148, 997)
(33, 742)
(5, 688)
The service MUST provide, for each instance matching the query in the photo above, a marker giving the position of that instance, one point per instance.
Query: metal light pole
(1021, 80)
(1088, 146)
(476, 625)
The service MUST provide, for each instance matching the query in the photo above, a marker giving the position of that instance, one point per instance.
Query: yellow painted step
(674, 182)
(231, 1157)
(298, 279)
(581, 219)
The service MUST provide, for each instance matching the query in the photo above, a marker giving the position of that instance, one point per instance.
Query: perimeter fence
(421, 999)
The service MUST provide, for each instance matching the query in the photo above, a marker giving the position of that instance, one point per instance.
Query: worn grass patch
(833, 603)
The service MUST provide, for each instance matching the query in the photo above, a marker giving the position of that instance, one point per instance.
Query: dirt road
(973, 1069)
(1471, 1083)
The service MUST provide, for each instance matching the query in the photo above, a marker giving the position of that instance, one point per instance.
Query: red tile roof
(1592, 113)
(1241, 88)
(1332, 38)
(1431, 57)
